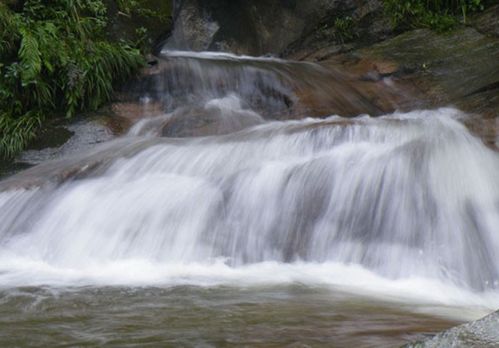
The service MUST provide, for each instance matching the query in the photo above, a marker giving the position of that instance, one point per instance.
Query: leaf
(30, 56)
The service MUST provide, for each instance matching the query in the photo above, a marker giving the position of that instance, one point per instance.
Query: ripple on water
(194, 316)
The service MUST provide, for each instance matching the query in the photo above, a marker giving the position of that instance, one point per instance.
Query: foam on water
(431, 296)
(403, 207)
(219, 55)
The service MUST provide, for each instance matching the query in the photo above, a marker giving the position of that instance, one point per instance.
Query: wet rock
(127, 113)
(194, 28)
(348, 26)
(276, 89)
(80, 164)
(174, 82)
(488, 22)
(50, 136)
(62, 138)
(216, 118)
(8, 168)
(377, 81)
(483, 333)
(450, 66)
(460, 68)
(67, 140)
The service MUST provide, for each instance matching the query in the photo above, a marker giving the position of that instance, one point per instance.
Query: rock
(210, 120)
(450, 66)
(483, 333)
(352, 25)
(130, 112)
(93, 160)
(459, 68)
(52, 135)
(488, 21)
(194, 29)
(68, 139)
(262, 27)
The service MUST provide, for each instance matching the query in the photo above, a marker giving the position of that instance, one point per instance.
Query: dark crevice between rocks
(487, 88)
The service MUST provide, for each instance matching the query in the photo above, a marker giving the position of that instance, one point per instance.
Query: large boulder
(261, 27)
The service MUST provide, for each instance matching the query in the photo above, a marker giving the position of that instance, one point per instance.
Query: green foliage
(439, 15)
(344, 29)
(16, 133)
(142, 20)
(141, 8)
(55, 59)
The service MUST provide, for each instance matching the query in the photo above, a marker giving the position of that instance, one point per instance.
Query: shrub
(440, 15)
(55, 60)
(344, 29)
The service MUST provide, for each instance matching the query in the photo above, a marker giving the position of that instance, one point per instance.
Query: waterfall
(404, 200)
(275, 88)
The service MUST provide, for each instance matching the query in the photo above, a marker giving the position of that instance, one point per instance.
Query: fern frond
(55, 59)
(31, 58)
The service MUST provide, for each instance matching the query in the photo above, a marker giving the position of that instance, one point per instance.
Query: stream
(239, 217)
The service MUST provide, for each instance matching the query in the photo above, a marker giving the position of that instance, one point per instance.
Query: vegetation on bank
(439, 15)
(56, 59)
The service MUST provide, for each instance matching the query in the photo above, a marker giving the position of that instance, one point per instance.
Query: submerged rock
(483, 333)
(217, 117)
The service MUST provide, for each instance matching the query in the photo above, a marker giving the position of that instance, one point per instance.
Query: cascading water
(405, 205)
(275, 88)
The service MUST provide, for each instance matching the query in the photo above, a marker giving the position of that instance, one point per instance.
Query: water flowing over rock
(415, 188)
(403, 195)
(274, 88)
(225, 179)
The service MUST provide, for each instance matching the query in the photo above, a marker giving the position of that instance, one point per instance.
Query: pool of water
(188, 316)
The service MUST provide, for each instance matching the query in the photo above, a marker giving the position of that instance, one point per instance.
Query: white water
(219, 55)
(275, 88)
(404, 206)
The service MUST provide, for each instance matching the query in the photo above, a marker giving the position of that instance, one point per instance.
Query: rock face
(261, 27)
(483, 333)
(460, 68)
